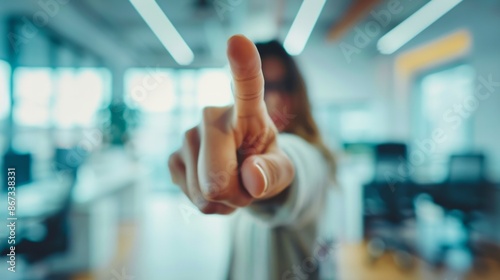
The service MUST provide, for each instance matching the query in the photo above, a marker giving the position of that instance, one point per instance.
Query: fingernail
(266, 183)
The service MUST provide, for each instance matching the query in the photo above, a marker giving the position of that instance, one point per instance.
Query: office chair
(465, 195)
(56, 240)
(388, 205)
(22, 164)
(55, 228)
(465, 185)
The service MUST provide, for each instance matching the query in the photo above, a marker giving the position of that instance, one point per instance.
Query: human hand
(232, 157)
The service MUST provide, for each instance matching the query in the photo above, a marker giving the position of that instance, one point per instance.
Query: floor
(172, 241)
(352, 264)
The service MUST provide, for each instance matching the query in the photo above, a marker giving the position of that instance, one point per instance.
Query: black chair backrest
(394, 150)
(22, 164)
(388, 159)
(396, 197)
(465, 188)
(467, 168)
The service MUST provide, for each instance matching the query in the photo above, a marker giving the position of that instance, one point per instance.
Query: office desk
(35, 202)
(105, 190)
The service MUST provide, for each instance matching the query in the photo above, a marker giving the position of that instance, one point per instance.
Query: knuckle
(252, 86)
(207, 113)
(173, 161)
(213, 192)
(191, 135)
(192, 132)
(215, 208)
(226, 211)
(207, 208)
(249, 94)
(243, 202)
(202, 204)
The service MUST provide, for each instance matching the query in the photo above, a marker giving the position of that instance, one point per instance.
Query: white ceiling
(113, 31)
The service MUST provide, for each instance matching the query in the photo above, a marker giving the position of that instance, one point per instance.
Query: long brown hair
(303, 124)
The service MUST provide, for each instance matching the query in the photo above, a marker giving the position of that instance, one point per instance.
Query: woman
(264, 154)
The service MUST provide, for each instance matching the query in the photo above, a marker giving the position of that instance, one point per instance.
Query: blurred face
(276, 95)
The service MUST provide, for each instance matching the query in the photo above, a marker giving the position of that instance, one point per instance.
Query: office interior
(95, 96)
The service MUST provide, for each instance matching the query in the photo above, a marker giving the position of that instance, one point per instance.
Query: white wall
(338, 82)
(486, 118)
(369, 77)
(485, 58)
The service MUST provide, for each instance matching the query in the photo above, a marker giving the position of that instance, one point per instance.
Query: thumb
(267, 175)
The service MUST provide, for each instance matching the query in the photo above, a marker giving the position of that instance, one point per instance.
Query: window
(64, 97)
(176, 95)
(79, 94)
(356, 125)
(444, 108)
(159, 90)
(170, 102)
(150, 90)
(33, 93)
(214, 88)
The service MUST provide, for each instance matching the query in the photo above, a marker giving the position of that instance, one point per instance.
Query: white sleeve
(304, 198)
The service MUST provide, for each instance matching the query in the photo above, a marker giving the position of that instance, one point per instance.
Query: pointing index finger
(247, 75)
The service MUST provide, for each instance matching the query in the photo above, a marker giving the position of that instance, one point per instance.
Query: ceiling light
(303, 25)
(164, 30)
(414, 24)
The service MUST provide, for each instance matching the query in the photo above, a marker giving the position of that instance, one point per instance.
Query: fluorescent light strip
(303, 25)
(414, 24)
(164, 30)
